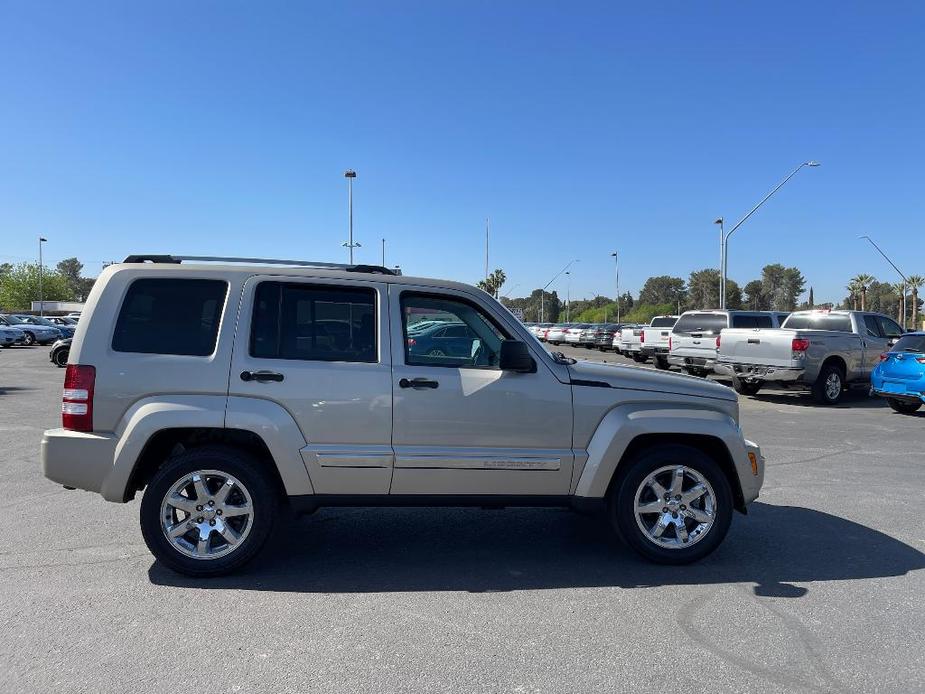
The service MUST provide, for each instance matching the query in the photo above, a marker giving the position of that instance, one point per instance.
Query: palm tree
(900, 289)
(854, 289)
(862, 282)
(915, 282)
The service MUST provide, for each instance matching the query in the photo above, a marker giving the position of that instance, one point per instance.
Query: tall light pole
(616, 270)
(383, 252)
(568, 295)
(725, 246)
(487, 233)
(722, 257)
(350, 174)
(543, 290)
(905, 281)
(42, 240)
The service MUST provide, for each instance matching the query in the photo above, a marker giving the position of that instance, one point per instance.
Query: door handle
(417, 383)
(261, 376)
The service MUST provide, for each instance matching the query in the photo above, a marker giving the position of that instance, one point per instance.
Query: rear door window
(663, 322)
(889, 327)
(871, 326)
(910, 343)
(314, 323)
(170, 316)
(705, 323)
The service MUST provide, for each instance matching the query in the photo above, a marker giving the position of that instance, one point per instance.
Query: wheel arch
(837, 361)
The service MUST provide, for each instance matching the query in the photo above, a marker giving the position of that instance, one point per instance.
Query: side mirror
(516, 357)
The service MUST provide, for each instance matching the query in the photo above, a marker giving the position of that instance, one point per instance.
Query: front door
(461, 426)
(319, 350)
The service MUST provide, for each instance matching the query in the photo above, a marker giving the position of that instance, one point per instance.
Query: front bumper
(79, 459)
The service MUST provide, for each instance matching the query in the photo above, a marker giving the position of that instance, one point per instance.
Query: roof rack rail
(177, 259)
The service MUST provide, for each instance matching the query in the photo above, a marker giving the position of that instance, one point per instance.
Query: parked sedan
(603, 336)
(60, 351)
(10, 336)
(573, 333)
(586, 336)
(66, 329)
(42, 334)
(443, 340)
(556, 333)
(900, 375)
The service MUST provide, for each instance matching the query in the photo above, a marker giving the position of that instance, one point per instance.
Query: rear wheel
(829, 386)
(208, 511)
(673, 505)
(746, 387)
(29, 339)
(662, 363)
(639, 358)
(904, 406)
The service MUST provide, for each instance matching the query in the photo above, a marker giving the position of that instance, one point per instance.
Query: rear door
(463, 426)
(320, 350)
(874, 341)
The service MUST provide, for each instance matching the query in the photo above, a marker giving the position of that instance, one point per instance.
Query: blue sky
(579, 128)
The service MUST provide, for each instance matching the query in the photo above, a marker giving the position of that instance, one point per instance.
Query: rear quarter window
(839, 323)
(910, 343)
(170, 316)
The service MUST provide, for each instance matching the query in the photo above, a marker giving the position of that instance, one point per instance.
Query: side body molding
(624, 423)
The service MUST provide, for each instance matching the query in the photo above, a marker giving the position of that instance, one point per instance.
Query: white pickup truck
(823, 351)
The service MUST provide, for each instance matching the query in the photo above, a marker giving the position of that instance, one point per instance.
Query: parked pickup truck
(654, 339)
(823, 351)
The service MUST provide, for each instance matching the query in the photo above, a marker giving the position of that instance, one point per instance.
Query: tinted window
(474, 341)
(744, 322)
(910, 343)
(170, 316)
(872, 326)
(664, 322)
(303, 321)
(701, 323)
(839, 322)
(889, 328)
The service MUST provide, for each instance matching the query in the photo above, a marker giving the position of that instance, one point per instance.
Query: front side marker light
(753, 459)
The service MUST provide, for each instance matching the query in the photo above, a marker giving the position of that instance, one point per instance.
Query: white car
(573, 333)
(232, 391)
(556, 334)
(631, 342)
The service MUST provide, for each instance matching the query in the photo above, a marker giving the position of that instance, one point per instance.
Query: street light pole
(42, 240)
(722, 257)
(487, 233)
(568, 295)
(616, 269)
(543, 290)
(350, 174)
(383, 252)
(905, 281)
(725, 247)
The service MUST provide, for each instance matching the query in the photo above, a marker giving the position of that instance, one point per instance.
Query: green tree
(861, 282)
(781, 287)
(70, 269)
(703, 289)
(5, 269)
(643, 313)
(810, 302)
(733, 295)
(754, 295)
(663, 289)
(20, 287)
(915, 283)
(493, 283)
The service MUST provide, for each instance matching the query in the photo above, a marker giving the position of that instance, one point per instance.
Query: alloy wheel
(675, 507)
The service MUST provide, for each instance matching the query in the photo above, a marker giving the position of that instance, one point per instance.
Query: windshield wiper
(562, 359)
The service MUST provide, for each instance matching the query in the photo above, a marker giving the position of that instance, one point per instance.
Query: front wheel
(208, 511)
(29, 339)
(903, 406)
(60, 357)
(673, 505)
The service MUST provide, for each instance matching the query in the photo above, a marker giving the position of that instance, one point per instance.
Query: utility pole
(616, 267)
(383, 252)
(42, 240)
(487, 234)
(722, 264)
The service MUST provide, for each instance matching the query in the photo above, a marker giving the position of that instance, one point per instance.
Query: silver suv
(228, 390)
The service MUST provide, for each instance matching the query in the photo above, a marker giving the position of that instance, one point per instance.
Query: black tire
(821, 391)
(59, 358)
(250, 472)
(903, 406)
(746, 387)
(622, 502)
(662, 364)
(30, 339)
(697, 371)
(638, 358)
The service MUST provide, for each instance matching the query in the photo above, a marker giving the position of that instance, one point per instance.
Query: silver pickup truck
(823, 351)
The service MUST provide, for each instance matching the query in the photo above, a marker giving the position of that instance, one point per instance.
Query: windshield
(710, 323)
(839, 322)
(910, 343)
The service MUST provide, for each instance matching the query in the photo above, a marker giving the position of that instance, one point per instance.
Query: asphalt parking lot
(819, 588)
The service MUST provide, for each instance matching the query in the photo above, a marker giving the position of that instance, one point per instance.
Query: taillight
(920, 360)
(669, 343)
(411, 342)
(642, 337)
(77, 400)
(717, 341)
(884, 356)
(799, 344)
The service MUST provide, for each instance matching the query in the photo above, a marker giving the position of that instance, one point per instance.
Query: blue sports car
(900, 375)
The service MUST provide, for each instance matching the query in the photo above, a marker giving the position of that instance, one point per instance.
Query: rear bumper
(650, 350)
(759, 372)
(904, 397)
(706, 363)
(79, 459)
